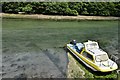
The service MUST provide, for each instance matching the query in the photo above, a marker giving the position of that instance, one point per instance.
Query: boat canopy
(102, 57)
(91, 45)
(93, 48)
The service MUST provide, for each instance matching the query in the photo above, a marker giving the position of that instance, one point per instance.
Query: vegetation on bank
(63, 8)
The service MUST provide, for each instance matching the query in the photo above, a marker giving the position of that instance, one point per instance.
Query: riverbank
(74, 71)
(56, 17)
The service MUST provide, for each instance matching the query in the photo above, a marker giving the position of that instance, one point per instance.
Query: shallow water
(38, 44)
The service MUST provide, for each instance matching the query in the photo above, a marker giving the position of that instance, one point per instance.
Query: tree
(27, 9)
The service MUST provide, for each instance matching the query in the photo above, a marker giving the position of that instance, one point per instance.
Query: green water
(58, 32)
(50, 34)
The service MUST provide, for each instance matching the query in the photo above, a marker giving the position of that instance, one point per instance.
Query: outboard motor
(73, 42)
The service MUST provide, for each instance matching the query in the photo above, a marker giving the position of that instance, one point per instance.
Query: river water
(34, 48)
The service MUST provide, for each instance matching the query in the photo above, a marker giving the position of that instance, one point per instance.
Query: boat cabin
(93, 52)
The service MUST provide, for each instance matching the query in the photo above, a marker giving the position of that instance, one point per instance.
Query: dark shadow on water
(97, 73)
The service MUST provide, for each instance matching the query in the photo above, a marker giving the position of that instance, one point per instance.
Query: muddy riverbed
(41, 64)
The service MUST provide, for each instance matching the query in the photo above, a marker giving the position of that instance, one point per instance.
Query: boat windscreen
(102, 57)
(92, 45)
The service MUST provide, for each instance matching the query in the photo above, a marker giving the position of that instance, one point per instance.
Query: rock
(5, 57)
(20, 67)
(3, 73)
(22, 76)
(2, 70)
(19, 59)
(3, 66)
(12, 65)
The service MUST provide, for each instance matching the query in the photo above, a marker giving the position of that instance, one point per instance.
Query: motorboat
(92, 56)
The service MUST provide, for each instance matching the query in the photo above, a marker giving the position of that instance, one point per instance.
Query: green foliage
(84, 12)
(27, 8)
(112, 76)
(64, 8)
(71, 12)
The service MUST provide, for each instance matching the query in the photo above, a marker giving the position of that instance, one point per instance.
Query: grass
(55, 34)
